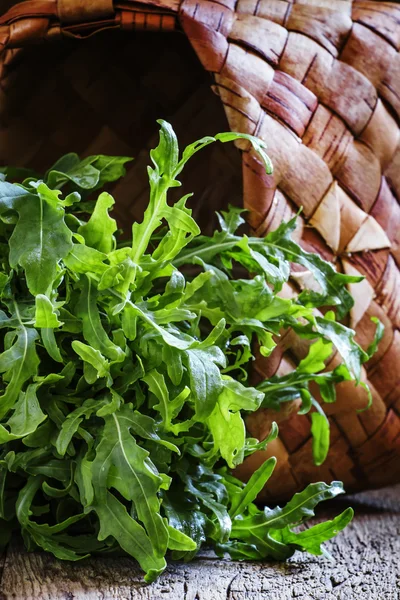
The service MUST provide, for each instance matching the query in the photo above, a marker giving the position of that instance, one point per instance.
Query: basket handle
(81, 11)
(36, 20)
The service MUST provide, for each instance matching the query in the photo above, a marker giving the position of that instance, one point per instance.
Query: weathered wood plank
(366, 567)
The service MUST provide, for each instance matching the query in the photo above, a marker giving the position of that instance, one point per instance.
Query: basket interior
(103, 95)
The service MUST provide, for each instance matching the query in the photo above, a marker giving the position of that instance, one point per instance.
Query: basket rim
(33, 21)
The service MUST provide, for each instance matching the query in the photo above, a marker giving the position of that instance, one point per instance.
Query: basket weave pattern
(319, 81)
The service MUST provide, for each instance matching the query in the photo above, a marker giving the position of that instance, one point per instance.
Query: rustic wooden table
(366, 566)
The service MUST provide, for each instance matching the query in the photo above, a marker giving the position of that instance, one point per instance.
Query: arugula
(124, 368)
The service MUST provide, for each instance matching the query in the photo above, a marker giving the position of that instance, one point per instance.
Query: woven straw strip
(311, 80)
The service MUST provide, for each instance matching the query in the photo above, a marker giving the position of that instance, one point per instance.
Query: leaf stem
(157, 199)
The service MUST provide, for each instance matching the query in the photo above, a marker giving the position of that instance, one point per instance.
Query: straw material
(319, 81)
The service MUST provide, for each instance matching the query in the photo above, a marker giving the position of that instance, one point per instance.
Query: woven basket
(319, 81)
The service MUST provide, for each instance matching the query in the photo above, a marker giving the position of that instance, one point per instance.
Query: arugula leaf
(226, 423)
(125, 365)
(311, 539)
(82, 259)
(18, 364)
(253, 487)
(99, 230)
(372, 348)
(45, 317)
(167, 408)
(44, 535)
(178, 540)
(139, 482)
(87, 174)
(314, 362)
(72, 423)
(93, 331)
(320, 431)
(343, 338)
(70, 168)
(295, 512)
(205, 378)
(92, 357)
(27, 416)
(111, 168)
(40, 238)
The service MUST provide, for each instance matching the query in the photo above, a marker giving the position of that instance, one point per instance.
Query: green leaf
(11, 196)
(50, 343)
(380, 330)
(205, 379)
(72, 423)
(93, 330)
(120, 423)
(206, 489)
(320, 432)
(92, 357)
(182, 342)
(184, 518)
(177, 540)
(111, 168)
(332, 284)
(131, 536)
(258, 145)
(239, 551)
(98, 231)
(46, 315)
(165, 156)
(296, 511)
(343, 338)
(39, 241)
(147, 428)
(226, 423)
(129, 322)
(231, 220)
(82, 259)
(44, 535)
(310, 539)
(173, 359)
(253, 487)
(140, 480)
(71, 168)
(83, 479)
(88, 174)
(18, 364)
(318, 353)
(167, 408)
(26, 417)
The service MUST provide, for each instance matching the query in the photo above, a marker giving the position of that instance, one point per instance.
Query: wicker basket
(319, 81)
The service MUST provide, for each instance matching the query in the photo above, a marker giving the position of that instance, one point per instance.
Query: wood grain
(365, 567)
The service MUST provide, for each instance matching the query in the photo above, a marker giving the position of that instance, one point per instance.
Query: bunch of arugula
(124, 369)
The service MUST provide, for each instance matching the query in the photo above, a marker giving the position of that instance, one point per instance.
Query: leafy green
(226, 423)
(40, 238)
(99, 230)
(134, 477)
(18, 364)
(87, 174)
(311, 539)
(320, 431)
(252, 488)
(26, 418)
(124, 368)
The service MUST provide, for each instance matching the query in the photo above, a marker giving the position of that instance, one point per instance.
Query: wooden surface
(365, 567)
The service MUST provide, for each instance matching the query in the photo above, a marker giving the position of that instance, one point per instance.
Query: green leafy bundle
(124, 369)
